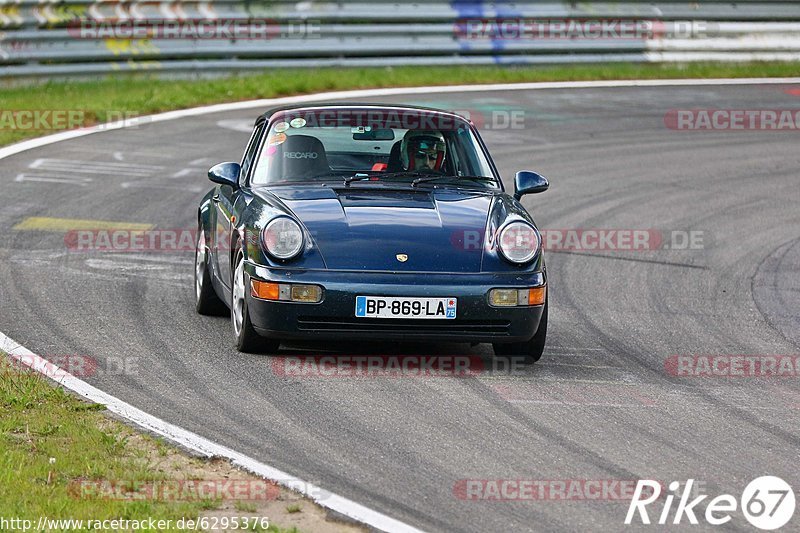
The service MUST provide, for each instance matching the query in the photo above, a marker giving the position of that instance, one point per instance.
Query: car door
(224, 202)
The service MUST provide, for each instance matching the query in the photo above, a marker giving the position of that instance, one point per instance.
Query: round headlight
(518, 242)
(282, 238)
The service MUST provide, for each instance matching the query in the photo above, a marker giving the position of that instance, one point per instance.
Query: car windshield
(412, 146)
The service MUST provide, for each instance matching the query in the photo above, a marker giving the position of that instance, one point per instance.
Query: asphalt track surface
(599, 406)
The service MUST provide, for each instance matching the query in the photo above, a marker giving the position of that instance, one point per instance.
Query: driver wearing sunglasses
(423, 150)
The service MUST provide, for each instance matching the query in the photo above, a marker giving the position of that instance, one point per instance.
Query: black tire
(206, 300)
(526, 352)
(247, 339)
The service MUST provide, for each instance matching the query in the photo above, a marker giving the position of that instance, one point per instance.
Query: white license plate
(405, 307)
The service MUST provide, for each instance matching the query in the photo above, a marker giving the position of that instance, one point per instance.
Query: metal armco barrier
(68, 38)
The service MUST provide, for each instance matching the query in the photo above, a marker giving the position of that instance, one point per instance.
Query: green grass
(294, 508)
(111, 98)
(245, 507)
(40, 423)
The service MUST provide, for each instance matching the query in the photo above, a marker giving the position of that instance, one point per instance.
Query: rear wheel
(527, 352)
(206, 300)
(247, 340)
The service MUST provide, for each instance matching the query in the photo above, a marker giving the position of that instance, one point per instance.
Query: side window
(456, 151)
(251, 152)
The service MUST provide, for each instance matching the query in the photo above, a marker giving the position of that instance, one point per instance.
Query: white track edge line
(199, 444)
(367, 93)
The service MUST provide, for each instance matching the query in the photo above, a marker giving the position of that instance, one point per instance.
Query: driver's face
(426, 159)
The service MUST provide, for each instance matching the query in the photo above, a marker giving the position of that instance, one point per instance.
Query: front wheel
(206, 300)
(247, 340)
(528, 352)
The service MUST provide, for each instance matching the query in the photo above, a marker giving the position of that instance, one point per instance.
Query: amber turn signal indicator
(264, 290)
(537, 295)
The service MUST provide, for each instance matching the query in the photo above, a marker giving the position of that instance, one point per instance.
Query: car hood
(437, 230)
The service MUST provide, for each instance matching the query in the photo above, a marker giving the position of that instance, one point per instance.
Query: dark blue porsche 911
(371, 222)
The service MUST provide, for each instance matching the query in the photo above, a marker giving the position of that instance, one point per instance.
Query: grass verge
(60, 456)
(112, 98)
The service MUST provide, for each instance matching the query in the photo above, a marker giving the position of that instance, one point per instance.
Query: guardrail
(56, 38)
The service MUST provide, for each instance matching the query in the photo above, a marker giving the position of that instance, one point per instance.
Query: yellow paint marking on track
(63, 225)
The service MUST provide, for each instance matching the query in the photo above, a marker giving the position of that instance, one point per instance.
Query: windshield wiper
(406, 174)
(368, 175)
(427, 179)
(356, 177)
(301, 179)
(419, 177)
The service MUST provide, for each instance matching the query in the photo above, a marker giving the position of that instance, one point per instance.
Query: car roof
(357, 105)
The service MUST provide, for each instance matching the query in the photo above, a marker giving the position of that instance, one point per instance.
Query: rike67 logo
(768, 503)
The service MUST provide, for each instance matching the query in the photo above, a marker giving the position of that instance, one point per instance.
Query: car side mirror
(527, 182)
(225, 174)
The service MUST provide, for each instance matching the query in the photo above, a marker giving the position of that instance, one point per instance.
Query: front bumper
(334, 317)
